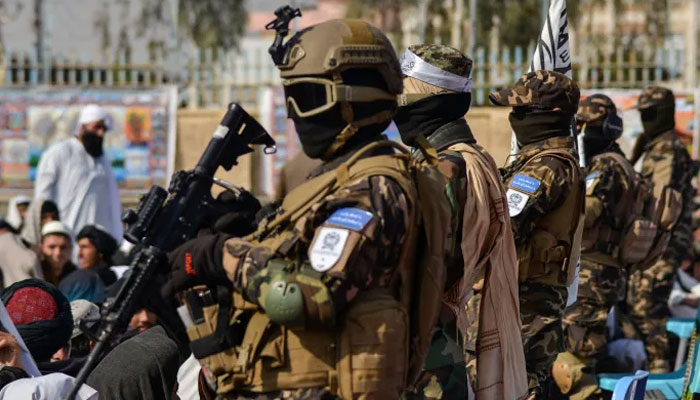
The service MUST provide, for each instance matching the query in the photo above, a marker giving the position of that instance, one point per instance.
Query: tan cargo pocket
(543, 258)
(373, 348)
(669, 208)
(637, 241)
(218, 365)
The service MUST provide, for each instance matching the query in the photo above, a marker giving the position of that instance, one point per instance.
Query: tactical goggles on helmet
(309, 96)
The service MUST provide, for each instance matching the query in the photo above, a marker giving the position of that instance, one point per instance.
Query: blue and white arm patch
(350, 218)
(524, 183)
(591, 178)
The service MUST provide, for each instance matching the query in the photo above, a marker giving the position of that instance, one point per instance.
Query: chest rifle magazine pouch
(542, 259)
(223, 359)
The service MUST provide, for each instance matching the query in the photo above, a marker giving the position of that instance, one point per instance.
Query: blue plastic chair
(683, 328)
(631, 387)
(670, 384)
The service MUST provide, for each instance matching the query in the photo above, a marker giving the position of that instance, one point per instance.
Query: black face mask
(92, 143)
(426, 115)
(594, 141)
(318, 133)
(657, 120)
(534, 126)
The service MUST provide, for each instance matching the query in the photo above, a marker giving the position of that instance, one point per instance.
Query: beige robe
(489, 251)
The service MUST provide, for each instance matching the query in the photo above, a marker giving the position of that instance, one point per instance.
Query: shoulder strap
(622, 161)
(299, 200)
(558, 153)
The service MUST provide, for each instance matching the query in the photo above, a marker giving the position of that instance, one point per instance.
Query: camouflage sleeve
(453, 167)
(351, 241)
(669, 164)
(682, 237)
(605, 185)
(537, 188)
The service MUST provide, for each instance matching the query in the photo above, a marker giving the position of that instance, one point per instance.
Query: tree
(207, 23)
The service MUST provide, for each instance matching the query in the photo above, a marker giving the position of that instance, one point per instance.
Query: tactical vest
(378, 347)
(640, 229)
(551, 253)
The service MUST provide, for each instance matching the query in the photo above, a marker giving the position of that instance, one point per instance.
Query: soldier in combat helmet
(320, 302)
(545, 192)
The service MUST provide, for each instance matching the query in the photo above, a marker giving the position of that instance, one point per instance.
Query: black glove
(238, 213)
(197, 262)
(268, 211)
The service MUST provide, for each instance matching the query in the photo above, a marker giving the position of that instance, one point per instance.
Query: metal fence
(212, 78)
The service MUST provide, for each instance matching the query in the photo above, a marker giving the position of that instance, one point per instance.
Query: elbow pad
(293, 299)
(284, 303)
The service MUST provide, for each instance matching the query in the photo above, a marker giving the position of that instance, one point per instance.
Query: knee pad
(567, 371)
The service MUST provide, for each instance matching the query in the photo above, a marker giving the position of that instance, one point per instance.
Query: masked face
(317, 133)
(656, 120)
(425, 116)
(594, 140)
(531, 126)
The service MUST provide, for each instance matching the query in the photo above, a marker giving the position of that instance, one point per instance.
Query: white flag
(552, 50)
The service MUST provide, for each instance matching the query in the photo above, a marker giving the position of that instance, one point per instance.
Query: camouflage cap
(444, 57)
(655, 96)
(595, 108)
(540, 88)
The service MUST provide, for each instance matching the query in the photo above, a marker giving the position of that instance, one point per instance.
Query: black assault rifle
(166, 219)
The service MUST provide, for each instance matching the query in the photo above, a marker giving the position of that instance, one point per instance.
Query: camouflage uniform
(600, 286)
(445, 365)
(326, 299)
(538, 188)
(476, 196)
(541, 305)
(666, 163)
(369, 256)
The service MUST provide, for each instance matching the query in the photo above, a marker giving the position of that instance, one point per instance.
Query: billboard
(140, 142)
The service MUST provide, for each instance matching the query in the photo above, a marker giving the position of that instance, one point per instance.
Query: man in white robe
(78, 177)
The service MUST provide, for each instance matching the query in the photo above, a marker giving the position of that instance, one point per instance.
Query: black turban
(49, 206)
(103, 241)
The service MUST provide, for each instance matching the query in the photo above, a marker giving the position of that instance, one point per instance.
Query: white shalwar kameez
(83, 187)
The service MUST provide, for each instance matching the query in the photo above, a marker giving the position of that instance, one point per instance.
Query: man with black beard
(666, 162)
(77, 176)
(545, 193)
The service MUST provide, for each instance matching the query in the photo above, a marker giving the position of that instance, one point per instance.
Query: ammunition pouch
(640, 230)
(366, 355)
(545, 260)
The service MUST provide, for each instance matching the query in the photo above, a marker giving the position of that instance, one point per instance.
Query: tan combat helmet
(316, 57)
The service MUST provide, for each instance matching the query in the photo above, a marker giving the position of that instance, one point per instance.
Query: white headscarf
(47, 387)
(13, 217)
(416, 67)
